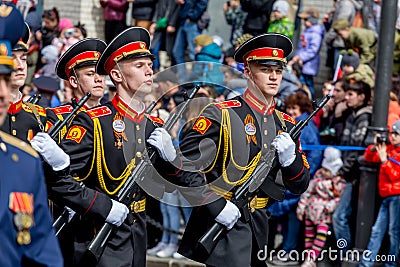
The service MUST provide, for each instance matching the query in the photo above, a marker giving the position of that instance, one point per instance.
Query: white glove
(161, 140)
(71, 213)
(117, 213)
(50, 151)
(229, 215)
(286, 149)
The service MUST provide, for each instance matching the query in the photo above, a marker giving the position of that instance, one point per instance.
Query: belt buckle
(135, 206)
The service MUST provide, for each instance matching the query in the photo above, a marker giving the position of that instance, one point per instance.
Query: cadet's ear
(247, 72)
(116, 75)
(73, 81)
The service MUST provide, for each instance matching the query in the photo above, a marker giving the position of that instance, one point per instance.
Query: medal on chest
(22, 205)
(119, 130)
(250, 129)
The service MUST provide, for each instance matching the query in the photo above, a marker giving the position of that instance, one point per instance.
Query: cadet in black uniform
(105, 143)
(226, 143)
(23, 120)
(26, 229)
(77, 67)
(76, 63)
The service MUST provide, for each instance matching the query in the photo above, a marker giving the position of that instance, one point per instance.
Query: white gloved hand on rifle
(286, 149)
(50, 151)
(161, 140)
(229, 215)
(117, 213)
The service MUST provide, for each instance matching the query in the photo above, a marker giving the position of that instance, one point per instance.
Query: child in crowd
(354, 70)
(317, 204)
(281, 23)
(389, 190)
(309, 46)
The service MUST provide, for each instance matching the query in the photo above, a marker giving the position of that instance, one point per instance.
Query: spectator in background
(343, 9)
(289, 85)
(361, 40)
(358, 96)
(389, 189)
(114, 14)
(49, 30)
(284, 213)
(318, 203)
(236, 17)
(189, 15)
(49, 56)
(299, 106)
(206, 67)
(354, 70)
(334, 114)
(309, 46)
(142, 12)
(235, 82)
(163, 30)
(258, 15)
(281, 23)
(47, 87)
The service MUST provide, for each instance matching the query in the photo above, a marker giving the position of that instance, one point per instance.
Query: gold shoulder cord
(280, 117)
(36, 114)
(98, 155)
(225, 134)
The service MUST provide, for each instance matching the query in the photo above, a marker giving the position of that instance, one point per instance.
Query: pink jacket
(114, 9)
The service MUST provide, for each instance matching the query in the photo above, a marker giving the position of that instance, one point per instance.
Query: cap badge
(142, 45)
(275, 53)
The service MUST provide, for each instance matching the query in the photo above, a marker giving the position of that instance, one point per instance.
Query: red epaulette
(41, 110)
(156, 120)
(287, 117)
(99, 112)
(228, 104)
(62, 109)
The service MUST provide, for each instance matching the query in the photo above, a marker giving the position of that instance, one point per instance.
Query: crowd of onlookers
(177, 27)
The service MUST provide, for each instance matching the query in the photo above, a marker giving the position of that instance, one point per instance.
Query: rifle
(34, 99)
(62, 220)
(124, 195)
(250, 187)
(53, 132)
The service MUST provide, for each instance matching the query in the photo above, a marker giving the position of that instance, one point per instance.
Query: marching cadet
(77, 67)
(238, 134)
(23, 120)
(26, 229)
(105, 143)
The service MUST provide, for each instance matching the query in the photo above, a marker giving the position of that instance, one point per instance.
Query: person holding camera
(388, 154)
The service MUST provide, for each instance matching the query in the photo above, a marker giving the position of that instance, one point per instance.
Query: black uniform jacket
(229, 138)
(105, 143)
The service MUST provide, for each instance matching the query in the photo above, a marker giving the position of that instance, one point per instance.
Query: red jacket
(389, 173)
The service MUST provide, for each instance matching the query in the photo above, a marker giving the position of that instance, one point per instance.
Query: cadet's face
(19, 75)
(4, 96)
(90, 81)
(266, 78)
(138, 74)
(354, 100)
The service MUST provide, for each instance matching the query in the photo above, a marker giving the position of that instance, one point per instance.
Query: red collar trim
(15, 107)
(127, 111)
(257, 104)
